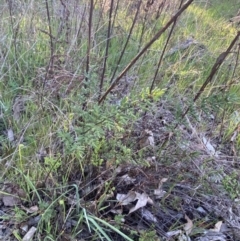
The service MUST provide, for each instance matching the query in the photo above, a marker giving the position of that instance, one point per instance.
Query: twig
(215, 68)
(163, 51)
(107, 47)
(134, 60)
(126, 43)
(89, 38)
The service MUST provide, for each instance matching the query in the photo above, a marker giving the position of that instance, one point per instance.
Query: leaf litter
(154, 198)
(151, 197)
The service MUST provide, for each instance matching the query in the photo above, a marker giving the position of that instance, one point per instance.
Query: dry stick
(158, 14)
(235, 67)
(50, 32)
(215, 68)
(89, 39)
(107, 47)
(160, 9)
(134, 60)
(163, 51)
(84, 105)
(47, 33)
(50, 63)
(126, 43)
(66, 14)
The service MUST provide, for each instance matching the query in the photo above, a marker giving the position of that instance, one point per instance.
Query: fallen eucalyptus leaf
(217, 226)
(159, 193)
(143, 199)
(125, 199)
(188, 226)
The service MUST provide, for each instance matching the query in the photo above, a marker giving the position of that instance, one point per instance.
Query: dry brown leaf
(161, 182)
(125, 199)
(188, 226)
(217, 226)
(150, 201)
(143, 199)
(159, 193)
(32, 209)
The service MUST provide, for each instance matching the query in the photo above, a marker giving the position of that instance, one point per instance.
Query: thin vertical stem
(50, 32)
(145, 48)
(125, 46)
(107, 47)
(163, 51)
(214, 70)
(89, 38)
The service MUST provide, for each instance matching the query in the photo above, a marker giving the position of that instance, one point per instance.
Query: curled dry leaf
(161, 182)
(125, 199)
(159, 193)
(33, 209)
(143, 199)
(217, 226)
(188, 226)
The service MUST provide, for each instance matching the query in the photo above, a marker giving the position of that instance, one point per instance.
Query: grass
(64, 141)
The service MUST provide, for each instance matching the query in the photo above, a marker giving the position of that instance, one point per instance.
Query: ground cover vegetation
(119, 120)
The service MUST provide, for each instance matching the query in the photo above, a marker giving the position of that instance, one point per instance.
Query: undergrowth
(74, 86)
